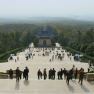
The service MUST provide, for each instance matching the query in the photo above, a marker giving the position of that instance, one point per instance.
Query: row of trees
(83, 42)
(10, 41)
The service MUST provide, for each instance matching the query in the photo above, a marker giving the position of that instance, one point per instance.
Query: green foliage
(53, 42)
(83, 48)
(77, 52)
(60, 39)
(56, 37)
(70, 44)
(84, 60)
(90, 50)
(78, 47)
(35, 42)
(64, 42)
(7, 54)
(51, 30)
(2, 61)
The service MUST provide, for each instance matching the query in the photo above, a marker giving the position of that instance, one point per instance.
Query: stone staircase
(34, 86)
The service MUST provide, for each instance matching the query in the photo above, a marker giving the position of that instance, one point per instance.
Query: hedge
(5, 56)
(77, 52)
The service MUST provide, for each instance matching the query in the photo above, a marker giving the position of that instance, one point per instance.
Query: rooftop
(44, 33)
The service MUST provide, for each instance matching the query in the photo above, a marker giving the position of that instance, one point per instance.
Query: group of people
(68, 74)
(19, 73)
(51, 74)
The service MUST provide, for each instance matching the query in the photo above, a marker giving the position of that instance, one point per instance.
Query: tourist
(39, 74)
(71, 73)
(50, 60)
(17, 74)
(88, 69)
(53, 74)
(68, 77)
(64, 71)
(75, 73)
(26, 71)
(73, 67)
(20, 74)
(50, 73)
(81, 76)
(15, 60)
(45, 74)
(11, 73)
(61, 73)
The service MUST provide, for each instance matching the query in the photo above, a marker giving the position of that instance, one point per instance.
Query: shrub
(78, 47)
(83, 48)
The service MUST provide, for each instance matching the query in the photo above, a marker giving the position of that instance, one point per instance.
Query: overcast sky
(48, 8)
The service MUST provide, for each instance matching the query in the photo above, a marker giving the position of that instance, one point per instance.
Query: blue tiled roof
(44, 33)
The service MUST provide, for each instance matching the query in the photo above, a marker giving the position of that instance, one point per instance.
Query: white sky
(48, 8)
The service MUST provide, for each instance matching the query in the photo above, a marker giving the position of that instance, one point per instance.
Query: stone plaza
(35, 86)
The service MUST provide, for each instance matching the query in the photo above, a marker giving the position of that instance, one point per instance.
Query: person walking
(50, 73)
(81, 76)
(11, 73)
(45, 74)
(53, 74)
(71, 73)
(61, 73)
(75, 73)
(68, 77)
(39, 73)
(26, 71)
(58, 73)
(64, 71)
(17, 74)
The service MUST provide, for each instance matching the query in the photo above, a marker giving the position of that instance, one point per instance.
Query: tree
(90, 50)
(17, 39)
(79, 36)
(35, 42)
(53, 42)
(83, 48)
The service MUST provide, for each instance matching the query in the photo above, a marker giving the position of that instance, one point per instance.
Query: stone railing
(90, 77)
(3, 76)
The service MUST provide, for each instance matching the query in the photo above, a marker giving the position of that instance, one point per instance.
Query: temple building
(44, 38)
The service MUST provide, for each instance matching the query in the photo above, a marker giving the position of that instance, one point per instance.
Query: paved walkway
(33, 85)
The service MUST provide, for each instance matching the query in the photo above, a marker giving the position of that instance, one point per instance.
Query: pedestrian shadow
(91, 82)
(71, 88)
(84, 88)
(17, 86)
(26, 82)
(74, 81)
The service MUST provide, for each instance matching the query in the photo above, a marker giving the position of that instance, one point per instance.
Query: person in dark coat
(53, 73)
(11, 73)
(50, 73)
(20, 74)
(71, 73)
(39, 73)
(17, 74)
(45, 74)
(61, 73)
(64, 71)
(26, 71)
(58, 73)
(76, 73)
(68, 77)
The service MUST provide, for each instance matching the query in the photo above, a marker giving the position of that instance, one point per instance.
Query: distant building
(44, 38)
